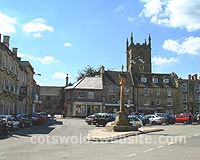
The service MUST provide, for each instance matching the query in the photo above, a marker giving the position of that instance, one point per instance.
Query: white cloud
(173, 13)
(131, 19)
(44, 60)
(60, 75)
(119, 8)
(37, 26)
(158, 60)
(188, 45)
(67, 44)
(7, 24)
(37, 35)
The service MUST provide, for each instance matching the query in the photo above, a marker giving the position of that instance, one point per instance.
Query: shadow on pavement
(36, 129)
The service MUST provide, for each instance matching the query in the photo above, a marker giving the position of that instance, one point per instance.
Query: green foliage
(88, 72)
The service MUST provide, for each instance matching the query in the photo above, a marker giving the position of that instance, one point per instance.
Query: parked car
(154, 119)
(90, 119)
(24, 120)
(39, 118)
(145, 120)
(195, 117)
(183, 118)
(134, 120)
(101, 119)
(11, 121)
(169, 119)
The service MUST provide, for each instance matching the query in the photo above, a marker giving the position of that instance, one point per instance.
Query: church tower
(138, 56)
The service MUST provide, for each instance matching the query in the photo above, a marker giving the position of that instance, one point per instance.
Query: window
(126, 89)
(184, 97)
(158, 92)
(197, 98)
(112, 99)
(11, 65)
(146, 101)
(68, 95)
(157, 102)
(184, 87)
(3, 83)
(80, 95)
(155, 80)
(185, 108)
(169, 101)
(197, 87)
(143, 79)
(5, 61)
(48, 97)
(146, 91)
(166, 80)
(169, 92)
(90, 95)
(112, 89)
(15, 69)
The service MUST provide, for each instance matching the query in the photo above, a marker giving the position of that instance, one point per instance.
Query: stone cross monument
(121, 123)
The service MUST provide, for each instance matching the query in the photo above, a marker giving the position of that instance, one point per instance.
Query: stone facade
(16, 81)
(189, 94)
(145, 91)
(84, 97)
(51, 97)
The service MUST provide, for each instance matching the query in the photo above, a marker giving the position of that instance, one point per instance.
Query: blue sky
(64, 36)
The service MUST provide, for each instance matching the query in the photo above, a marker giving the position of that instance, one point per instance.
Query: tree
(88, 72)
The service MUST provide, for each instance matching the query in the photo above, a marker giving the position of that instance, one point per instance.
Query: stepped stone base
(121, 124)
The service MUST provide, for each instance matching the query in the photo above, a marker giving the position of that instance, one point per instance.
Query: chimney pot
(195, 77)
(67, 80)
(6, 40)
(15, 51)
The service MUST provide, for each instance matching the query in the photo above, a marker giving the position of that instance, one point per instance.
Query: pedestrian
(190, 118)
(63, 113)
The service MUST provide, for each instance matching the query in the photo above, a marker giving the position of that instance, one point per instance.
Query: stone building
(111, 91)
(153, 92)
(145, 91)
(51, 97)
(16, 81)
(27, 85)
(189, 94)
(9, 69)
(84, 97)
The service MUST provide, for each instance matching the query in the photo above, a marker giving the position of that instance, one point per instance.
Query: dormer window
(166, 80)
(143, 79)
(155, 80)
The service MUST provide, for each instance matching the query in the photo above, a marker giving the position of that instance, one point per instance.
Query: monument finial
(122, 68)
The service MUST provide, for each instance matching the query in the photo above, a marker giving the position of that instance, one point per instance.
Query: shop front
(83, 109)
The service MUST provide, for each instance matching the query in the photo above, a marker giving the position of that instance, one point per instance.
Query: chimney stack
(102, 71)
(189, 76)
(67, 80)
(15, 51)
(195, 76)
(6, 40)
